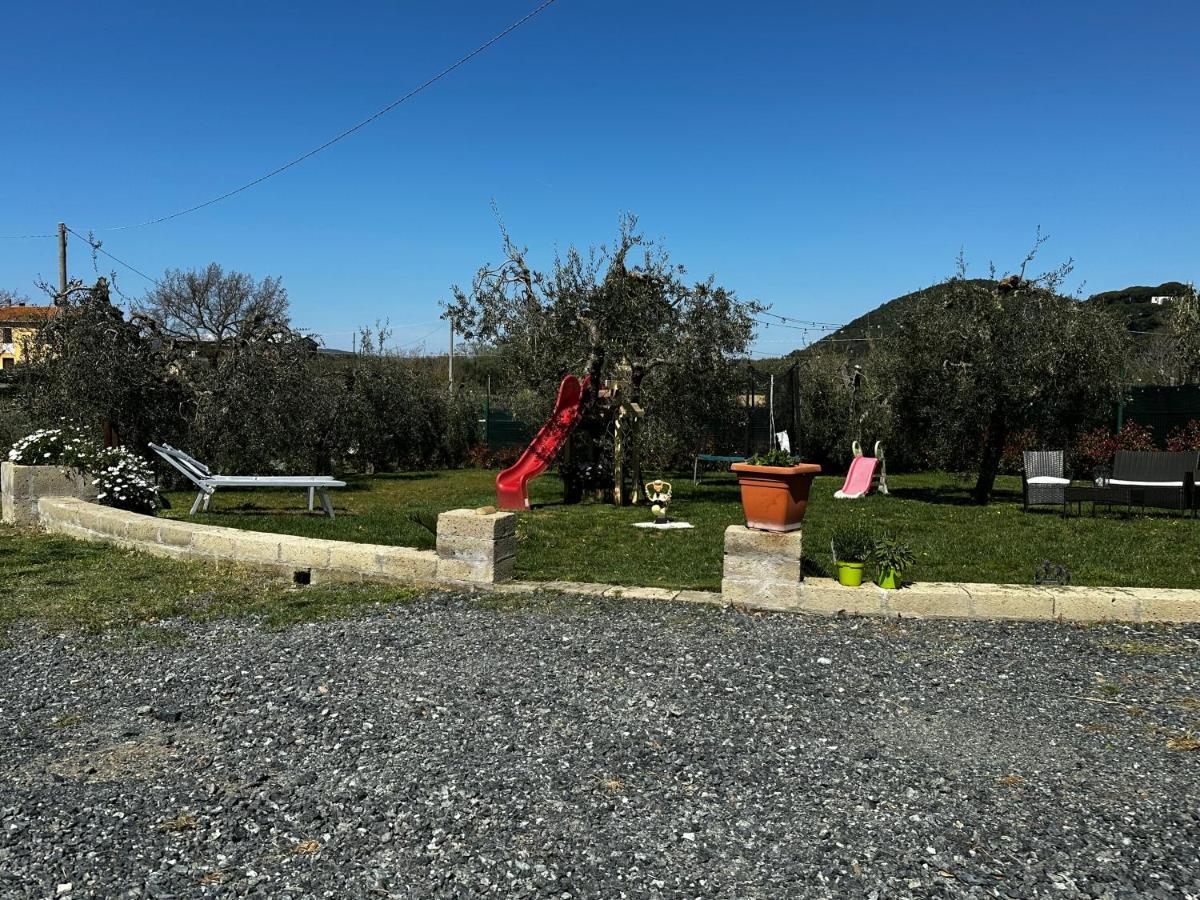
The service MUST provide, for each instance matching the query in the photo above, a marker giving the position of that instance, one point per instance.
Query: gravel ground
(601, 748)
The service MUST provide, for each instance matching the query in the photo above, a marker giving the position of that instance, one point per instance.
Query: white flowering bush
(124, 480)
(121, 477)
(67, 445)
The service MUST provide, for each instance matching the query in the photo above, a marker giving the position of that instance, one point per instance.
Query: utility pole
(451, 357)
(62, 259)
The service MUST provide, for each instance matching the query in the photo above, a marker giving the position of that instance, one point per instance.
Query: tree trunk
(634, 436)
(989, 463)
(619, 425)
(585, 442)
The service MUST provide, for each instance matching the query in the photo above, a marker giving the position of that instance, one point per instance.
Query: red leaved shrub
(1095, 449)
(1185, 437)
(1012, 461)
(481, 456)
(1134, 437)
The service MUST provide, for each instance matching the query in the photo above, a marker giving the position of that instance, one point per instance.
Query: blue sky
(819, 157)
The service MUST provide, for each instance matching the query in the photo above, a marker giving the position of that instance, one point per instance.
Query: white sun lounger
(202, 477)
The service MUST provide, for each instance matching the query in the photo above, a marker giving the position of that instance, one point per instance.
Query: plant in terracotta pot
(852, 546)
(892, 557)
(775, 488)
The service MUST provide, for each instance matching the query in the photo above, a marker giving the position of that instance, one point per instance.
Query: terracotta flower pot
(774, 498)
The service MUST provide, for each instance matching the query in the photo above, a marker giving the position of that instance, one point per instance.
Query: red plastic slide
(512, 485)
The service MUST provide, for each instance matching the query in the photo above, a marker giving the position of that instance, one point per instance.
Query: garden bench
(1166, 480)
(202, 477)
(712, 458)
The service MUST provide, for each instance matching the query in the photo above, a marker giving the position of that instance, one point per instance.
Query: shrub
(67, 445)
(1093, 450)
(481, 456)
(852, 543)
(1012, 462)
(774, 457)
(124, 480)
(889, 552)
(1096, 448)
(1185, 437)
(1134, 437)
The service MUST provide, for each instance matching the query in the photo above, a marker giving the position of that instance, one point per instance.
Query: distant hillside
(1132, 304)
(853, 337)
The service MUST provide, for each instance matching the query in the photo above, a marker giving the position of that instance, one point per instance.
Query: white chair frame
(202, 477)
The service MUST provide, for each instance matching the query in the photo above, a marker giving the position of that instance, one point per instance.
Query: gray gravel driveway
(577, 748)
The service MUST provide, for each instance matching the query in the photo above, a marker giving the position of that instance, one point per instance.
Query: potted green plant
(892, 557)
(775, 487)
(852, 545)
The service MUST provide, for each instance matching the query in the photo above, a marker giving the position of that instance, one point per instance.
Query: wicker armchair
(1044, 481)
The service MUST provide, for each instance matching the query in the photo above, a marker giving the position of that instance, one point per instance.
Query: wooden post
(487, 415)
(451, 357)
(794, 423)
(619, 458)
(62, 260)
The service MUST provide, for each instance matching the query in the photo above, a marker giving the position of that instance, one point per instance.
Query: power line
(24, 237)
(349, 131)
(95, 245)
(329, 143)
(808, 322)
(783, 325)
(419, 340)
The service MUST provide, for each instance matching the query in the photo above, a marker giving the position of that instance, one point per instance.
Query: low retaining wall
(21, 486)
(924, 600)
(477, 548)
(1002, 601)
(763, 571)
(467, 556)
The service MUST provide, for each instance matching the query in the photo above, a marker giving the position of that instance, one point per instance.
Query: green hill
(1132, 304)
(854, 338)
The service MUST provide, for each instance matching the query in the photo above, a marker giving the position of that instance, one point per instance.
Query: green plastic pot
(850, 574)
(889, 579)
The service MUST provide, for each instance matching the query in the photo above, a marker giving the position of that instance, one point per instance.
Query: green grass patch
(953, 539)
(61, 584)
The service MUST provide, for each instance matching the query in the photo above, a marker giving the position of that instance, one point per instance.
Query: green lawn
(65, 584)
(953, 539)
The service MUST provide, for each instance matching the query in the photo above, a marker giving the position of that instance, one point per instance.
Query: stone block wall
(309, 559)
(21, 486)
(762, 569)
(476, 545)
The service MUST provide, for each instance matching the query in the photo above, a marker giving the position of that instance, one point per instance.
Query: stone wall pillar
(762, 569)
(476, 545)
(21, 486)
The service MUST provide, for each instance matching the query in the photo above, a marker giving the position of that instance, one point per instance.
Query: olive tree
(975, 361)
(91, 364)
(622, 313)
(1185, 335)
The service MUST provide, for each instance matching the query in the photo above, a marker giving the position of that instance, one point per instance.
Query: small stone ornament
(659, 494)
(1050, 573)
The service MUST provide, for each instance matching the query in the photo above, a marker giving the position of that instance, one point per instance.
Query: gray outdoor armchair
(1044, 481)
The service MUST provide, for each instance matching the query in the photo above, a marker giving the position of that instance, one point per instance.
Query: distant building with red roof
(19, 324)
